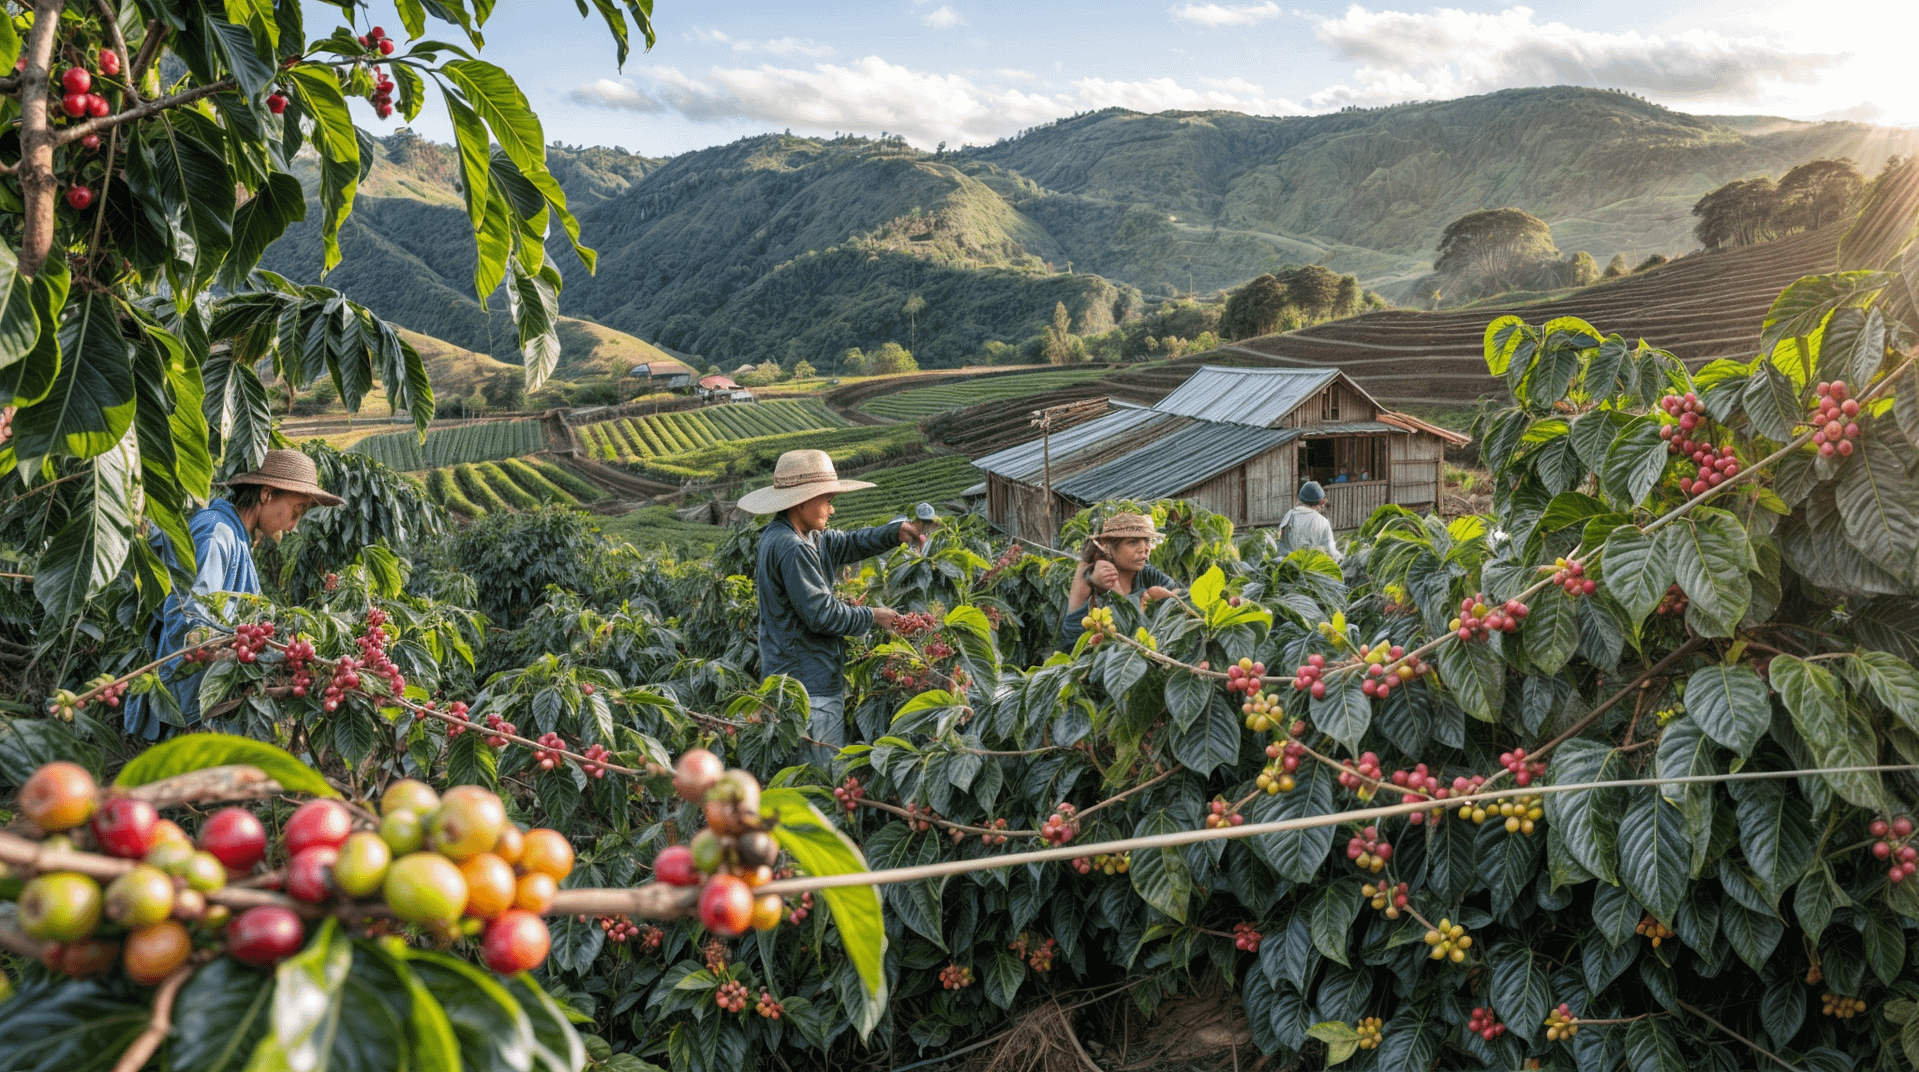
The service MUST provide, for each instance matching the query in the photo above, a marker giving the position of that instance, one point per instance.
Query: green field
(475, 489)
(444, 447)
(658, 526)
(661, 434)
(897, 491)
(921, 402)
(849, 447)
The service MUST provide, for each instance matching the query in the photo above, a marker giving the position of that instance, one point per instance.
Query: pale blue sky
(969, 71)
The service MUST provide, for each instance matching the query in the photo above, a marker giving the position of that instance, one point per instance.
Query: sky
(972, 71)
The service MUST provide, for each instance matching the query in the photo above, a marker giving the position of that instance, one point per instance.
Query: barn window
(1329, 405)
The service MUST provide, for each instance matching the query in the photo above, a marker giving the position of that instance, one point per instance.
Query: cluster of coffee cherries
(731, 996)
(1479, 619)
(1117, 863)
(1277, 776)
(1368, 850)
(1520, 814)
(1561, 1024)
(1841, 1006)
(1361, 775)
(848, 794)
(1570, 574)
(1263, 710)
(1310, 676)
(915, 623)
(548, 754)
(1380, 682)
(104, 689)
(1483, 1023)
(501, 728)
(1037, 952)
(920, 817)
(1449, 941)
(801, 908)
(250, 639)
(1690, 440)
(1904, 856)
(1007, 558)
(994, 839)
(618, 929)
(1371, 1031)
(376, 40)
(954, 977)
(1220, 813)
(1653, 929)
(1673, 603)
(459, 723)
(1059, 827)
(1246, 937)
(1524, 770)
(300, 653)
(1420, 784)
(731, 857)
(1388, 900)
(1834, 420)
(1244, 676)
(767, 1006)
(77, 97)
(1098, 624)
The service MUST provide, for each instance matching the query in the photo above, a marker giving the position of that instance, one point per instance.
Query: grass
(446, 491)
(658, 526)
(920, 402)
(519, 498)
(488, 441)
(474, 484)
(581, 489)
(897, 490)
(661, 434)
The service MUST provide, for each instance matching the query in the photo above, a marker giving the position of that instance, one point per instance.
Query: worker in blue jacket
(803, 625)
(263, 504)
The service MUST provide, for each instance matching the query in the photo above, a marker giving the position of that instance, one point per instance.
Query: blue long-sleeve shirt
(223, 557)
(803, 625)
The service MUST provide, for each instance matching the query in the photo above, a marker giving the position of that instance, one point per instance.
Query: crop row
(925, 401)
(660, 434)
(848, 447)
(897, 490)
(490, 441)
(474, 489)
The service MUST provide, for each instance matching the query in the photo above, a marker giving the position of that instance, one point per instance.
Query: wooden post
(1046, 468)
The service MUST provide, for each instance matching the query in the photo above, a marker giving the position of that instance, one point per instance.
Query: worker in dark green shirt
(1114, 563)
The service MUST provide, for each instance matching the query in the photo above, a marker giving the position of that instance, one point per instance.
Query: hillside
(785, 247)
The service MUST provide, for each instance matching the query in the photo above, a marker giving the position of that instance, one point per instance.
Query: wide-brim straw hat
(289, 470)
(1129, 526)
(799, 475)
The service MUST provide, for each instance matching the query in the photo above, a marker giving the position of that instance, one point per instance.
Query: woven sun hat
(1128, 526)
(289, 470)
(1311, 493)
(799, 475)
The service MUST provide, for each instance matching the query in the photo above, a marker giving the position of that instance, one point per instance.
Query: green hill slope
(785, 248)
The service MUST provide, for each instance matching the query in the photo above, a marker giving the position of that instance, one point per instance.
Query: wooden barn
(1236, 441)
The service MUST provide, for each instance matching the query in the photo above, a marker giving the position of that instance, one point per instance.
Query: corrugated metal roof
(1025, 461)
(1176, 461)
(1330, 428)
(1254, 396)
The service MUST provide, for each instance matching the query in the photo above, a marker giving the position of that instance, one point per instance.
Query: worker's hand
(884, 617)
(916, 532)
(1103, 576)
(1159, 592)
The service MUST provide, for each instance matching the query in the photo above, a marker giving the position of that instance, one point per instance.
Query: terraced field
(896, 491)
(663, 434)
(1700, 307)
(489, 441)
(849, 447)
(921, 402)
(472, 489)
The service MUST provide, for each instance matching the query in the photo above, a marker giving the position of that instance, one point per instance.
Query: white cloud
(1213, 16)
(782, 46)
(868, 95)
(942, 18)
(1449, 52)
(711, 37)
(1165, 94)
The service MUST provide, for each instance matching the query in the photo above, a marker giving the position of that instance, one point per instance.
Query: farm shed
(721, 388)
(669, 374)
(1237, 441)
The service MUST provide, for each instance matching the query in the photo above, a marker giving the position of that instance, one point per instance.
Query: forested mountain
(787, 247)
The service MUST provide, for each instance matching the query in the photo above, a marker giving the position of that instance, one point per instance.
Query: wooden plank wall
(1416, 469)
(1352, 406)
(1349, 505)
(1271, 488)
(1224, 494)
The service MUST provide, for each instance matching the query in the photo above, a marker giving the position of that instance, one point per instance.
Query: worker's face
(280, 511)
(1131, 553)
(813, 514)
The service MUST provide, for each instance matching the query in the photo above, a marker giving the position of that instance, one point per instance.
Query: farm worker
(1305, 525)
(803, 625)
(262, 504)
(1114, 561)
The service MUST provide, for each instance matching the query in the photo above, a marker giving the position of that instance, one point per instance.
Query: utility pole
(1044, 420)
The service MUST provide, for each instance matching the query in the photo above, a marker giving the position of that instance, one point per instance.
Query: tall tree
(1059, 335)
(1258, 308)
(1737, 214)
(914, 306)
(1817, 193)
(1492, 251)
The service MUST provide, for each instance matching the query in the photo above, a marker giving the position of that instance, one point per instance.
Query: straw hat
(289, 470)
(1128, 526)
(799, 475)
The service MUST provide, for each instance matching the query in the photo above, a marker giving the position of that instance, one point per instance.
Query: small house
(721, 388)
(662, 375)
(1236, 441)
